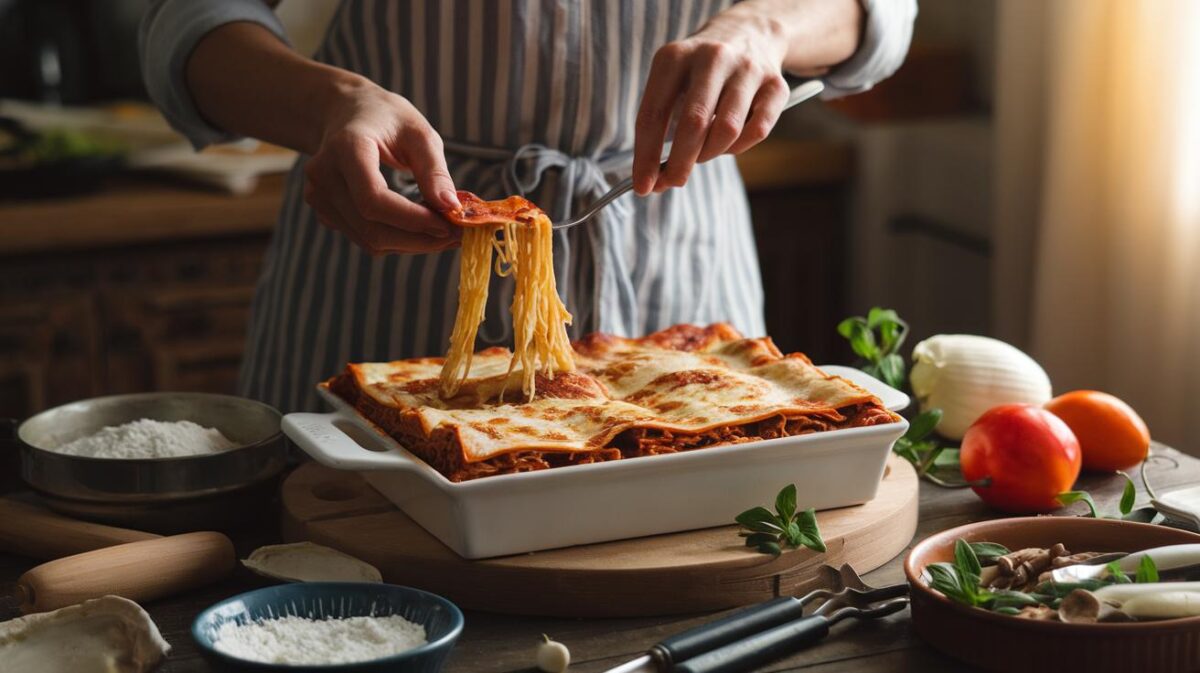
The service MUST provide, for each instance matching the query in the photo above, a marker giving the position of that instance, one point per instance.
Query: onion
(965, 375)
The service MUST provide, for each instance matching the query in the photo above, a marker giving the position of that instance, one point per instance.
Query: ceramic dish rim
(446, 640)
(916, 584)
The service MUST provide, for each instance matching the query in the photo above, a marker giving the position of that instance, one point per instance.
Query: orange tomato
(1111, 434)
(1024, 455)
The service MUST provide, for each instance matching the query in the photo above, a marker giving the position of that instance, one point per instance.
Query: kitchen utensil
(1171, 561)
(761, 648)
(172, 493)
(681, 573)
(613, 500)
(35, 532)
(336, 600)
(835, 584)
(1181, 505)
(998, 642)
(139, 571)
(798, 95)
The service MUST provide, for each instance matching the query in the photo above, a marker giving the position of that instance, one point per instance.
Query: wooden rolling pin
(105, 560)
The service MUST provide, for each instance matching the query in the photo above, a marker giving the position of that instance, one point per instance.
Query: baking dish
(581, 504)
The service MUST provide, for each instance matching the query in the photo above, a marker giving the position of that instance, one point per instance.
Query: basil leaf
(877, 317)
(948, 458)
(807, 521)
(965, 559)
(785, 503)
(1147, 572)
(794, 536)
(1115, 573)
(847, 326)
(988, 552)
(1061, 589)
(756, 539)
(862, 342)
(1007, 598)
(923, 424)
(770, 548)
(892, 369)
(1007, 610)
(1127, 496)
(1076, 496)
(756, 515)
(944, 577)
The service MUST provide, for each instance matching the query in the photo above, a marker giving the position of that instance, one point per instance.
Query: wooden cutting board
(679, 573)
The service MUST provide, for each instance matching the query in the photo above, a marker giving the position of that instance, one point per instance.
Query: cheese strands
(524, 250)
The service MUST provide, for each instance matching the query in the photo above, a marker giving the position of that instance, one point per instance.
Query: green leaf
(1007, 598)
(1061, 589)
(948, 458)
(877, 317)
(944, 578)
(1115, 573)
(757, 515)
(923, 424)
(964, 558)
(849, 325)
(1075, 496)
(1146, 572)
(810, 534)
(862, 342)
(756, 539)
(785, 503)
(770, 548)
(904, 449)
(1128, 495)
(892, 369)
(1007, 610)
(1141, 515)
(794, 536)
(988, 552)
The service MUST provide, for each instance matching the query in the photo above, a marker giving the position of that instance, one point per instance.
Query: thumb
(422, 152)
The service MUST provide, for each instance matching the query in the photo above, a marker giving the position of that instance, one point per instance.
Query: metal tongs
(750, 638)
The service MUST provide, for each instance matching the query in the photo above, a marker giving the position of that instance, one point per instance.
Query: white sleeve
(888, 31)
(169, 31)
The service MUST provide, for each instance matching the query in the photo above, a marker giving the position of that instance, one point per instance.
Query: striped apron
(536, 97)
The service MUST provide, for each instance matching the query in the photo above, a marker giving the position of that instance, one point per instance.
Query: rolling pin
(140, 571)
(94, 560)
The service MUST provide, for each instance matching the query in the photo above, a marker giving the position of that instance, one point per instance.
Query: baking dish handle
(892, 399)
(328, 444)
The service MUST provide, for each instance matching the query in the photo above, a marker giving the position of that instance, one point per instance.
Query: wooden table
(495, 643)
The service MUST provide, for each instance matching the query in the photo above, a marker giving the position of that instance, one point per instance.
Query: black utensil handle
(726, 630)
(754, 651)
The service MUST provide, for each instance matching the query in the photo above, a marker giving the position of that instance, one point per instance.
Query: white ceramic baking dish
(582, 504)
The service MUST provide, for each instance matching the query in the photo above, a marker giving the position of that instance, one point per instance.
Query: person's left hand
(724, 89)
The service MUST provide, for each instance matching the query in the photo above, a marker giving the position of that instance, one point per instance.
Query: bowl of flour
(148, 449)
(330, 626)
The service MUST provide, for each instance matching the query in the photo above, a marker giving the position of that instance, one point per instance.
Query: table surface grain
(500, 643)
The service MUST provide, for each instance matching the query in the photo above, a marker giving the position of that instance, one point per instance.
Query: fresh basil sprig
(769, 532)
(1124, 507)
(876, 339)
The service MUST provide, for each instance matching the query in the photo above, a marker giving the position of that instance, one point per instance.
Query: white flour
(149, 439)
(297, 640)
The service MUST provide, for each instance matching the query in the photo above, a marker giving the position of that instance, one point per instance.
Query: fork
(798, 95)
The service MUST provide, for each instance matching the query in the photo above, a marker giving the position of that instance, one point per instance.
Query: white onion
(965, 375)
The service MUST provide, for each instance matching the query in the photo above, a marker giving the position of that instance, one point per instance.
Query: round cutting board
(693, 571)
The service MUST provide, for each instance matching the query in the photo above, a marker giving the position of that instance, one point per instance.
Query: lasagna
(680, 389)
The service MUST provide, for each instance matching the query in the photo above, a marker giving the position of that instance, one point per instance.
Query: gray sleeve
(888, 31)
(169, 32)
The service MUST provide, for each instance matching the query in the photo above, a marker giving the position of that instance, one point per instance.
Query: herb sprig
(769, 532)
(1125, 507)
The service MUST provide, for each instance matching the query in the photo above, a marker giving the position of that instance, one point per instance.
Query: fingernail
(449, 199)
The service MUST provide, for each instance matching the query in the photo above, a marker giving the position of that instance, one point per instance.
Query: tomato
(1028, 454)
(1111, 434)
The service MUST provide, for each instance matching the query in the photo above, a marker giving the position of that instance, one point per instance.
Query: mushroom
(1083, 607)
(1039, 612)
(1021, 568)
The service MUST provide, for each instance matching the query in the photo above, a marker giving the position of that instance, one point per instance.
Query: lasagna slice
(684, 388)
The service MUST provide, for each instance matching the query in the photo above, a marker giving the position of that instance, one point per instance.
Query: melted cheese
(619, 384)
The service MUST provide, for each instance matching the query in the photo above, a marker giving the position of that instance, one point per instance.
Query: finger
(374, 200)
(654, 114)
(764, 113)
(424, 154)
(324, 212)
(706, 81)
(378, 238)
(732, 109)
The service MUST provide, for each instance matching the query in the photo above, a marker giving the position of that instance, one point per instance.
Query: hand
(364, 127)
(724, 90)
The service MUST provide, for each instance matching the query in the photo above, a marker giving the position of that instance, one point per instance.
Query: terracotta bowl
(1003, 643)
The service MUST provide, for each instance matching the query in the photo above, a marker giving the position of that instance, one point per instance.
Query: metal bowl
(254, 426)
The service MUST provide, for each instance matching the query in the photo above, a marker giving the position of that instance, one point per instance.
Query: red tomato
(1028, 453)
(1111, 434)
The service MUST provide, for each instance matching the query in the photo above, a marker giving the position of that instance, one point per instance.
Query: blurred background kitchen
(1031, 173)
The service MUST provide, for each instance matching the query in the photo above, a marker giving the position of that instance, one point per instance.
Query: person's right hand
(366, 126)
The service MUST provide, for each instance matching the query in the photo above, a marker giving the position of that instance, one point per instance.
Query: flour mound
(297, 640)
(149, 439)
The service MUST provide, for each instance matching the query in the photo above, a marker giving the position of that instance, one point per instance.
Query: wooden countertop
(493, 643)
(135, 209)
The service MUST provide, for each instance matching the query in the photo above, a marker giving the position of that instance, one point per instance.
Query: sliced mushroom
(1039, 612)
(104, 635)
(1083, 607)
(308, 562)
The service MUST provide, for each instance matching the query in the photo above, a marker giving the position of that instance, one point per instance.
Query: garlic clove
(964, 375)
(552, 656)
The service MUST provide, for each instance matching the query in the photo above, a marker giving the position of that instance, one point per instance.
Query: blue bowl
(323, 600)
